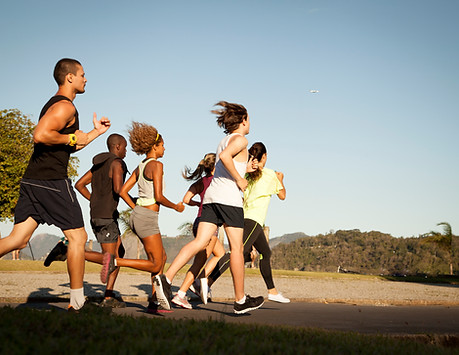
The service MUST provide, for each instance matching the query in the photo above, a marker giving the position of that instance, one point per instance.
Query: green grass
(31, 331)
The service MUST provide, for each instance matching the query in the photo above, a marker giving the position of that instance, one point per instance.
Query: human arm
(81, 184)
(154, 170)
(194, 189)
(117, 175)
(235, 146)
(128, 185)
(282, 194)
(59, 116)
(100, 127)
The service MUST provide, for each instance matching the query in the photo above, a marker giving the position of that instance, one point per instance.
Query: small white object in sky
(313, 91)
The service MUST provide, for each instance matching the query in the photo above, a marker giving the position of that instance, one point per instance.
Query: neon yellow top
(258, 195)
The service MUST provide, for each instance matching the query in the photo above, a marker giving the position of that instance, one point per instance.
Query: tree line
(372, 252)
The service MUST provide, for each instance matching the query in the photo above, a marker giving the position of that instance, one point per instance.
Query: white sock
(114, 262)
(168, 281)
(77, 298)
(181, 294)
(241, 301)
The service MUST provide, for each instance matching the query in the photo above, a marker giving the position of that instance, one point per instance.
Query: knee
(266, 255)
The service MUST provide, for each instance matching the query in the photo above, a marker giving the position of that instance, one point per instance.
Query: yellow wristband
(72, 139)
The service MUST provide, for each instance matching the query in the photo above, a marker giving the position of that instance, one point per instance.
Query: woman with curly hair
(145, 139)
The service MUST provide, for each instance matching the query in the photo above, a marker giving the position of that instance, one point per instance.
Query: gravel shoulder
(39, 286)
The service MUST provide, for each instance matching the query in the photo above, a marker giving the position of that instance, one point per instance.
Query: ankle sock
(77, 298)
(181, 294)
(241, 301)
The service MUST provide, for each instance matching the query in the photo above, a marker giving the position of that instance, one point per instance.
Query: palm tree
(443, 240)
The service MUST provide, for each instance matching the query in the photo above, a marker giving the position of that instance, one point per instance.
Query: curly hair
(257, 150)
(143, 137)
(205, 166)
(230, 116)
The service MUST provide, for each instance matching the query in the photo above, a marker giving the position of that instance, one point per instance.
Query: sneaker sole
(284, 302)
(204, 292)
(160, 295)
(248, 309)
(182, 305)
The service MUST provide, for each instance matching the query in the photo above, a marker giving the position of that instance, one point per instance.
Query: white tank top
(146, 187)
(223, 188)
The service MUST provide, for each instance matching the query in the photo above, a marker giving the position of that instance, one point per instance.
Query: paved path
(391, 320)
(367, 306)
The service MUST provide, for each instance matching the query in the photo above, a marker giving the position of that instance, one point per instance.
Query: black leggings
(253, 235)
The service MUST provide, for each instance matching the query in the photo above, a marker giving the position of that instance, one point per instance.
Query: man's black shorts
(219, 214)
(106, 230)
(49, 201)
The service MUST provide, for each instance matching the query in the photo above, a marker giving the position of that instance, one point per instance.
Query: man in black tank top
(106, 178)
(46, 194)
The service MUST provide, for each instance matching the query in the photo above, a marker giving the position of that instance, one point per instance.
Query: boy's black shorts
(49, 201)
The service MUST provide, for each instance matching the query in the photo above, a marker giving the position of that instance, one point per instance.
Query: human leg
(205, 232)
(236, 260)
(162, 282)
(19, 236)
(75, 265)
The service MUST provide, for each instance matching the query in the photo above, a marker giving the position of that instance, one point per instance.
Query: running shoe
(87, 307)
(108, 266)
(278, 298)
(250, 304)
(155, 308)
(203, 292)
(163, 291)
(182, 302)
(112, 302)
(58, 253)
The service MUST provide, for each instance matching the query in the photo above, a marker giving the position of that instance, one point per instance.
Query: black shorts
(219, 214)
(49, 201)
(106, 230)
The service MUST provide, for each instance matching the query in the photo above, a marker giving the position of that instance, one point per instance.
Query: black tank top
(51, 162)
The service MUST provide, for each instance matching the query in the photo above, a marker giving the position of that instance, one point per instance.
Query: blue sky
(375, 149)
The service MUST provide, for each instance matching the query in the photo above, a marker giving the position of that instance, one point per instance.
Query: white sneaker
(182, 302)
(204, 291)
(278, 298)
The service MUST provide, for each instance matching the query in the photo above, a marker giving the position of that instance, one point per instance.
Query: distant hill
(286, 238)
(362, 252)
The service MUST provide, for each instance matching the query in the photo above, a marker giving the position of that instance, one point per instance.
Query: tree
(186, 228)
(443, 240)
(16, 146)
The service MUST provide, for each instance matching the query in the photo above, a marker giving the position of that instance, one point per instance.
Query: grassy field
(24, 330)
(30, 331)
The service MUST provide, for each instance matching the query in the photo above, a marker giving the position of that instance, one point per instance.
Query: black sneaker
(88, 307)
(155, 308)
(250, 304)
(108, 266)
(163, 291)
(58, 253)
(112, 302)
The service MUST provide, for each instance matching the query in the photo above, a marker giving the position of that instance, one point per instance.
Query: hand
(180, 207)
(102, 125)
(242, 184)
(82, 138)
(252, 165)
(280, 176)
